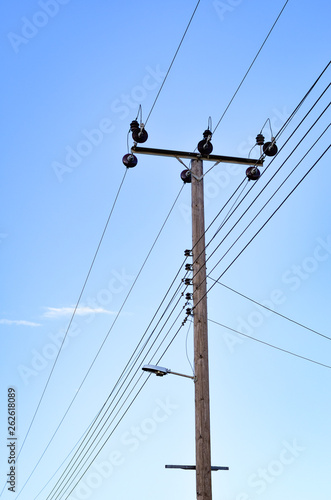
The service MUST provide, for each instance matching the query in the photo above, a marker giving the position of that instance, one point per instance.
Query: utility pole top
(195, 176)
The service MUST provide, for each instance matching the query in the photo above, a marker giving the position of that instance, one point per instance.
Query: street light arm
(182, 375)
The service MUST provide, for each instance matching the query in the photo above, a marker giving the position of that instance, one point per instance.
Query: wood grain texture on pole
(202, 411)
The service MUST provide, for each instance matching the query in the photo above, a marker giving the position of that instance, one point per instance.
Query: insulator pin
(130, 160)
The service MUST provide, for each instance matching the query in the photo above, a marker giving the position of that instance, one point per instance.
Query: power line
(269, 218)
(281, 130)
(157, 323)
(70, 467)
(73, 314)
(102, 344)
(68, 455)
(252, 63)
(112, 420)
(83, 437)
(109, 436)
(305, 135)
(273, 176)
(283, 146)
(173, 60)
(81, 464)
(271, 345)
(271, 310)
(103, 435)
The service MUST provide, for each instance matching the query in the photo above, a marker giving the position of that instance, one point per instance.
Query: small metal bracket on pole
(193, 467)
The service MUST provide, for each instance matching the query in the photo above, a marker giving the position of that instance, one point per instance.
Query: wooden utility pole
(202, 413)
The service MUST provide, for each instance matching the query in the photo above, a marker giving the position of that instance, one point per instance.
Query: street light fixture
(160, 371)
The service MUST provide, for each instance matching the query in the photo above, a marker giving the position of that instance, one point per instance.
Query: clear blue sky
(74, 74)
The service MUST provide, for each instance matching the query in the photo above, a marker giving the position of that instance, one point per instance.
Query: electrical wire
(271, 345)
(177, 276)
(172, 62)
(287, 177)
(268, 184)
(271, 310)
(284, 145)
(228, 215)
(102, 344)
(65, 459)
(73, 314)
(280, 132)
(265, 223)
(116, 384)
(172, 339)
(251, 65)
(273, 176)
(283, 350)
(109, 436)
(71, 472)
(69, 468)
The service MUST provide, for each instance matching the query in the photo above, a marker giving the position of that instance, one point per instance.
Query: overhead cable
(264, 224)
(173, 60)
(270, 345)
(73, 473)
(107, 335)
(93, 432)
(73, 314)
(269, 309)
(251, 65)
(273, 176)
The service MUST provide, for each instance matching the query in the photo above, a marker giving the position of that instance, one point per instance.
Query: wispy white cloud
(58, 312)
(19, 322)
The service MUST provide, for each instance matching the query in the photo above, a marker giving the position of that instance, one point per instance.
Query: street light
(160, 371)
